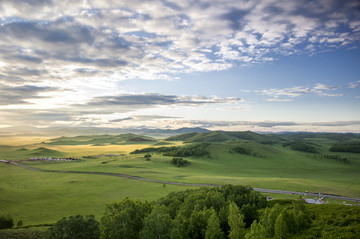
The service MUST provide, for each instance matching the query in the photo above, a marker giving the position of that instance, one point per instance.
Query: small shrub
(241, 150)
(19, 224)
(180, 162)
(147, 157)
(6, 222)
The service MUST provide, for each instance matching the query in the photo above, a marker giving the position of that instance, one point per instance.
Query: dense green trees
(301, 146)
(199, 212)
(192, 150)
(236, 222)
(75, 227)
(257, 231)
(280, 226)
(124, 219)
(158, 224)
(213, 230)
(282, 221)
(334, 221)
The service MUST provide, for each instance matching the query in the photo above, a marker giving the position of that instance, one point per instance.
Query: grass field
(37, 198)
(44, 197)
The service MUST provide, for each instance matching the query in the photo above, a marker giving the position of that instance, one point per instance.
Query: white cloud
(288, 94)
(354, 84)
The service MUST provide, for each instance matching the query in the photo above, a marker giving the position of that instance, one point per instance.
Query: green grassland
(38, 197)
(43, 197)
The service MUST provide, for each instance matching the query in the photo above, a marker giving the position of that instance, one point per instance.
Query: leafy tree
(280, 227)
(124, 219)
(301, 216)
(6, 222)
(75, 227)
(250, 214)
(215, 199)
(269, 217)
(175, 234)
(157, 224)
(213, 230)
(257, 231)
(290, 221)
(198, 223)
(236, 222)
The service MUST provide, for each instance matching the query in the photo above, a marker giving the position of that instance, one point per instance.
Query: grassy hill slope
(222, 136)
(101, 139)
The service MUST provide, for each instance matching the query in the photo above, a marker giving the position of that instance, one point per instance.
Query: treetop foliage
(75, 227)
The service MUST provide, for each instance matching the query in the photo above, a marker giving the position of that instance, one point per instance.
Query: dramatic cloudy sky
(261, 65)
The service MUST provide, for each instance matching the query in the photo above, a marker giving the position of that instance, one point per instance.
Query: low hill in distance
(222, 136)
(42, 152)
(306, 142)
(98, 140)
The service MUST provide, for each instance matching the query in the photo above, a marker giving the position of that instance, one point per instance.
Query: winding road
(186, 184)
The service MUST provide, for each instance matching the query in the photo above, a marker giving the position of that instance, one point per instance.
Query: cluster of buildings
(52, 159)
(315, 200)
(109, 155)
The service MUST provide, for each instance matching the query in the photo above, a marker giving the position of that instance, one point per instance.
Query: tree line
(349, 146)
(301, 146)
(193, 150)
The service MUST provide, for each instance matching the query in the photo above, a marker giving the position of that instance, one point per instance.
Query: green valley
(279, 162)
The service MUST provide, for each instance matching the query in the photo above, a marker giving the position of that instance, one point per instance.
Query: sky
(260, 65)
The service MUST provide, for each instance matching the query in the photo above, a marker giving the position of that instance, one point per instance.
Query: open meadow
(39, 197)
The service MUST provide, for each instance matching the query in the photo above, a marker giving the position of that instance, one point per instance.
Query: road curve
(186, 184)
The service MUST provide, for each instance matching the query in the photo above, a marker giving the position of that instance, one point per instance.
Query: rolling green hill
(101, 140)
(222, 136)
(44, 152)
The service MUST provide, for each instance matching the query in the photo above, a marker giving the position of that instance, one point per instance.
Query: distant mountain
(75, 131)
(329, 136)
(221, 136)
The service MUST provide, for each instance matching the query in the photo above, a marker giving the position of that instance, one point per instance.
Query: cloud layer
(155, 39)
(63, 62)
